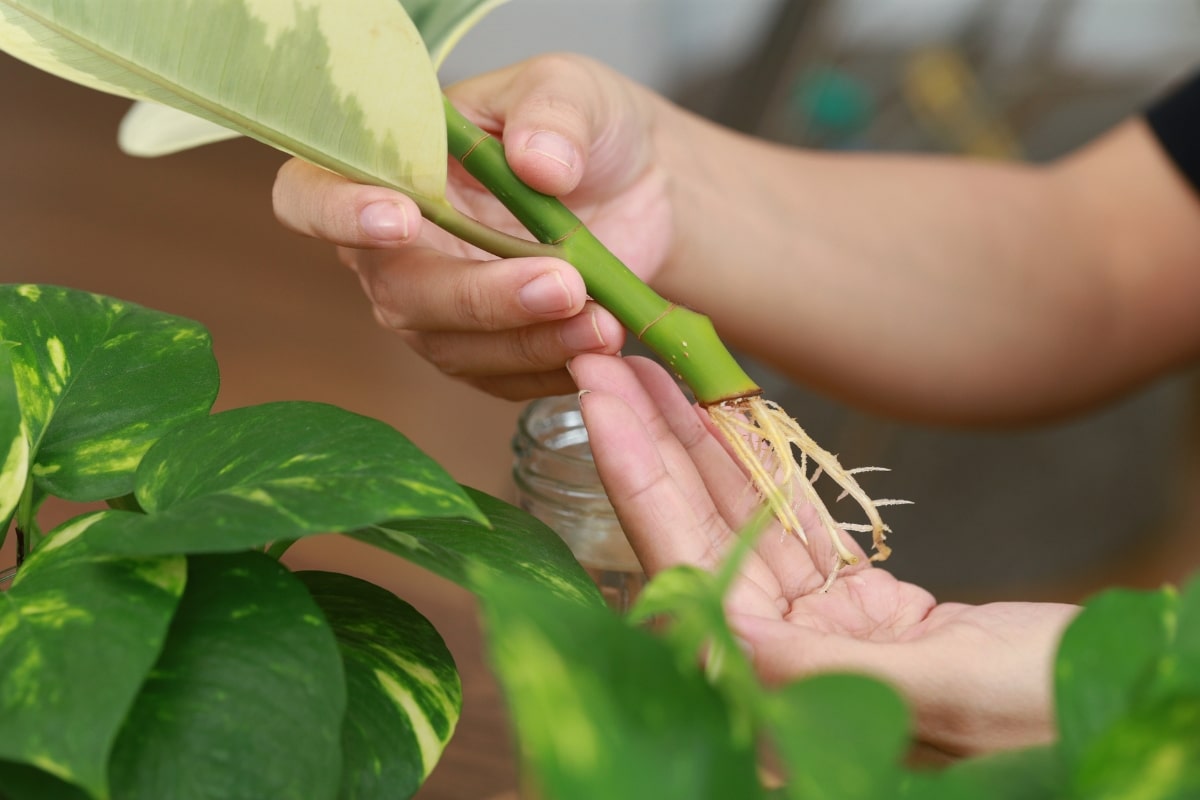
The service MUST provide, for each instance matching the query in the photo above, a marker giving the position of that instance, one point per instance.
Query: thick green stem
(674, 333)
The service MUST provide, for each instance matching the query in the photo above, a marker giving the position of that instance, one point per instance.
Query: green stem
(26, 522)
(279, 547)
(126, 502)
(674, 333)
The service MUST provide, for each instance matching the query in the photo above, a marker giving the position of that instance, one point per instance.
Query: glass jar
(556, 481)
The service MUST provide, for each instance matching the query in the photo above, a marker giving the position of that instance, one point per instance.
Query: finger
(315, 202)
(725, 482)
(531, 349)
(561, 116)
(422, 289)
(652, 487)
(796, 567)
(643, 479)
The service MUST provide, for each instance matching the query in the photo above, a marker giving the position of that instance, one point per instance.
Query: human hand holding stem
(761, 434)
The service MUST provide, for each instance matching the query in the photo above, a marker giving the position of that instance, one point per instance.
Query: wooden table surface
(194, 235)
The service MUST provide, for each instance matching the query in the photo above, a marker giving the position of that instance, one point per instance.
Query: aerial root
(765, 440)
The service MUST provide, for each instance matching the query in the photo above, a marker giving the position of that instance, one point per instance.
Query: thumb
(563, 118)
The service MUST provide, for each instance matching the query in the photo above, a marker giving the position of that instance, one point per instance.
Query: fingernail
(545, 294)
(553, 147)
(384, 220)
(582, 333)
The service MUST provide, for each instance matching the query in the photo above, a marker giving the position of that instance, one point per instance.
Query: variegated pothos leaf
(403, 692)
(79, 631)
(97, 381)
(249, 476)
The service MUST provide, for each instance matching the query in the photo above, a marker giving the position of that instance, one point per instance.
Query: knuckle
(556, 65)
(528, 350)
(472, 303)
(388, 307)
(440, 352)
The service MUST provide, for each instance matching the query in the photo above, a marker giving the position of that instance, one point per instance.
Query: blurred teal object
(831, 107)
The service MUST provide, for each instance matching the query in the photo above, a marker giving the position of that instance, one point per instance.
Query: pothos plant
(157, 649)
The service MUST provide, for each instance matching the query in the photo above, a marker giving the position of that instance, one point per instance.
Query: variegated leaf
(97, 382)
(150, 129)
(246, 701)
(247, 477)
(403, 691)
(79, 631)
(14, 442)
(349, 88)
(516, 545)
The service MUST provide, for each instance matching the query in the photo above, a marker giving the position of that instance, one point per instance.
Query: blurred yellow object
(942, 91)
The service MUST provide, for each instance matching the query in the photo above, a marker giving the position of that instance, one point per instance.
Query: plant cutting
(373, 112)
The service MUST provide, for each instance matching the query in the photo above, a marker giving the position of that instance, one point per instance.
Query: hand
(977, 677)
(571, 128)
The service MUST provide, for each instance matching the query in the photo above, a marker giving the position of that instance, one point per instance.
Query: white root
(763, 436)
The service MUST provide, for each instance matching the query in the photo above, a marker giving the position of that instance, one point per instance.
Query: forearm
(928, 287)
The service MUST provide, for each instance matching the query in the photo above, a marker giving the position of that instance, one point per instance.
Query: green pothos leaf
(1110, 661)
(1150, 753)
(247, 699)
(1128, 695)
(512, 543)
(351, 90)
(403, 691)
(79, 631)
(246, 477)
(97, 381)
(839, 736)
(602, 709)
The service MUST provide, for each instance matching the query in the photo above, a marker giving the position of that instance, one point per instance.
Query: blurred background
(1054, 512)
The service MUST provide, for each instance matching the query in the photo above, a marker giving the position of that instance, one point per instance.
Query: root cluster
(766, 440)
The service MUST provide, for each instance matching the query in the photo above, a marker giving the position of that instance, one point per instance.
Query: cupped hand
(570, 128)
(978, 677)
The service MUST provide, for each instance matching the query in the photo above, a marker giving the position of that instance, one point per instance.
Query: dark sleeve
(1175, 120)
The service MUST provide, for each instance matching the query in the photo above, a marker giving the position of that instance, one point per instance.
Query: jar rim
(570, 403)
